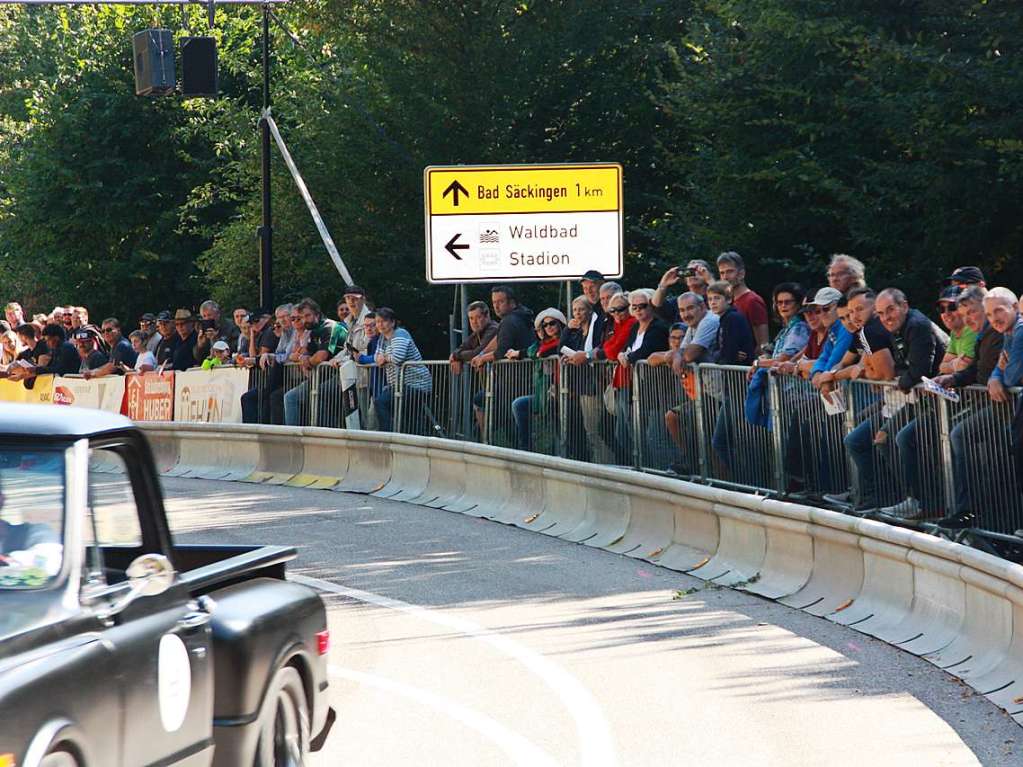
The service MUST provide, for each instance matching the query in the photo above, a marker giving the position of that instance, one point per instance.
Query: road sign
(506, 223)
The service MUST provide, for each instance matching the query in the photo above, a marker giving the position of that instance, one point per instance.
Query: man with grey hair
(213, 327)
(846, 273)
(732, 269)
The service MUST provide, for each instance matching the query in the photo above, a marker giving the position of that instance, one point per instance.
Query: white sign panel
(210, 396)
(522, 222)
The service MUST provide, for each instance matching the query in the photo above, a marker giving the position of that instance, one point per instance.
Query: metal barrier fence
(916, 457)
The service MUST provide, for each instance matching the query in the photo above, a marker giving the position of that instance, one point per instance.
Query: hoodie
(515, 331)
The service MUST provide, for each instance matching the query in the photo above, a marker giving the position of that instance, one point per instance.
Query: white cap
(221, 346)
(549, 313)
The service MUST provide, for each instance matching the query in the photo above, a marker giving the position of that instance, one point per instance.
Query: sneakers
(838, 499)
(907, 509)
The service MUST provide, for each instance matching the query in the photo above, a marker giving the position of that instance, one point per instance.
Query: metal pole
(266, 229)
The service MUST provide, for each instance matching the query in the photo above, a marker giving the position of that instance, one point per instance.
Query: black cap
(164, 316)
(354, 290)
(147, 317)
(951, 293)
(593, 276)
(968, 274)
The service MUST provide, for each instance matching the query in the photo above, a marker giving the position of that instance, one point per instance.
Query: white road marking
(517, 747)
(596, 746)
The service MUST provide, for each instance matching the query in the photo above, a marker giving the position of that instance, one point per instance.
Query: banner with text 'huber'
(503, 223)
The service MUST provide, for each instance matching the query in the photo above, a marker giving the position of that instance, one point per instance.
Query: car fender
(58, 730)
(257, 626)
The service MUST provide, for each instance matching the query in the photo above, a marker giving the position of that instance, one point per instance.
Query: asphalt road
(459, 641)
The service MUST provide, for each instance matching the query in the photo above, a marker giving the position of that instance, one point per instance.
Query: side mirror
(148, 575)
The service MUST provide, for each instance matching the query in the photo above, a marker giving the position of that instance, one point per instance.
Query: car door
(162, 642)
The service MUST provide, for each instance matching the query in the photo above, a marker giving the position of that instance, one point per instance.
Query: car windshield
(31, 517)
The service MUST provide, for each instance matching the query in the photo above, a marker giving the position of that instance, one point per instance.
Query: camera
(208, 324)
(685, 271)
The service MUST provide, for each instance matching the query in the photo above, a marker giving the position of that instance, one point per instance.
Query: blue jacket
(838, 343)
(1012, 345)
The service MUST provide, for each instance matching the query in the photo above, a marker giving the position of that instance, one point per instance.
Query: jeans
(860, 445)
(295, 402)
(417, 418)
(593, 414)
(909, 458)
(968, 447)
(522, 411)
(623, 428)
(722, 440)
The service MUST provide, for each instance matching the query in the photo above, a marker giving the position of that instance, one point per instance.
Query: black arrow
(454, 245)
(454, 188)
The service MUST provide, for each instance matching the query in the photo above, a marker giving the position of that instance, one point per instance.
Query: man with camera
(213, 327)
(697, 276)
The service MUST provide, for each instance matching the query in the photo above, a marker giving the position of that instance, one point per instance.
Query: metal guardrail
(953, 461)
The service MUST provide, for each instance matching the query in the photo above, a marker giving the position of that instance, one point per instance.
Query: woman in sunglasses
(548, 324)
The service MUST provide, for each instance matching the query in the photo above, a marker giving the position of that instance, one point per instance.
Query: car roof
(55, 421)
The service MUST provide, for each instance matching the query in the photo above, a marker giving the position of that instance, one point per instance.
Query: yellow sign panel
(41, 392)
(502, 189)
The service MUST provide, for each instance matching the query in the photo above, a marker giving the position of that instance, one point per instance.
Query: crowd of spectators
(840, 331)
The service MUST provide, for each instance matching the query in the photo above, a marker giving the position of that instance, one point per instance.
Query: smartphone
(685, 271)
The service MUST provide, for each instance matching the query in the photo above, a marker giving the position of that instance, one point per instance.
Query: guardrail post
(314, 396)
(633, 391)
(850, 423)
(777, 441)
(398, 407)
(700, 430)
(559, 368)
(945, 446)
(488, 409)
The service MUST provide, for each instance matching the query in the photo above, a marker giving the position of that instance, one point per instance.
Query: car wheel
(283, 722)
(59, 759)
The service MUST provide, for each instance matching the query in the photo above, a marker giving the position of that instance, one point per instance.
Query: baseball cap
(258, 313)
(826, 297)
(951, 293)
(354, 290)
(164, 316)
(147, 317)
(221, 346)
(968, 274)
(593, 276)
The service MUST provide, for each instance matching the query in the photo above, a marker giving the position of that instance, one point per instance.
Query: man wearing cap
(839, 339)
(965, 276)
(183, 357)
(358, 339)
(168, 339)
(962, 339)
(92, 358)
(151, 336)
(590, 283)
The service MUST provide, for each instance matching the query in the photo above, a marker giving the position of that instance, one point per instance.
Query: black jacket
(165, 349)
(655, 340)
(515, 331)
(989, 347)
(183, 353)
(64, 361)
(918, 348)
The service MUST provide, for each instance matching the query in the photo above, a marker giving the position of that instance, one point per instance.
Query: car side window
(112, 520)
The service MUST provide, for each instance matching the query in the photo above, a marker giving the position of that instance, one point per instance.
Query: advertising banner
(210, 396)
(106, 393)
(150, 396)
(16, 391)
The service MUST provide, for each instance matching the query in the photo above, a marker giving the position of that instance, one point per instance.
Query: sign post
(508, 223)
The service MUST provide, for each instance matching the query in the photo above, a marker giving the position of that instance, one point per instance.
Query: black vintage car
(119, 647)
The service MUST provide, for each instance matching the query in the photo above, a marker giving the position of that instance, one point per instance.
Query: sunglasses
(108, 330)
(549, 323)
(814, 310)
(638, 307)
(618, 310)
(946, 308)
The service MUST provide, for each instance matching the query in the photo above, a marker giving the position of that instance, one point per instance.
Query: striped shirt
(399, 349)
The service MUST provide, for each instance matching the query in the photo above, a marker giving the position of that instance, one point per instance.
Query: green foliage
(785, 129)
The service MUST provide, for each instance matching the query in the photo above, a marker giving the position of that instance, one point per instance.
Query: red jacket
(614, 345)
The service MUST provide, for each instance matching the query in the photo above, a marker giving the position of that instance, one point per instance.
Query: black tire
(283, 722)
(58, 759)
